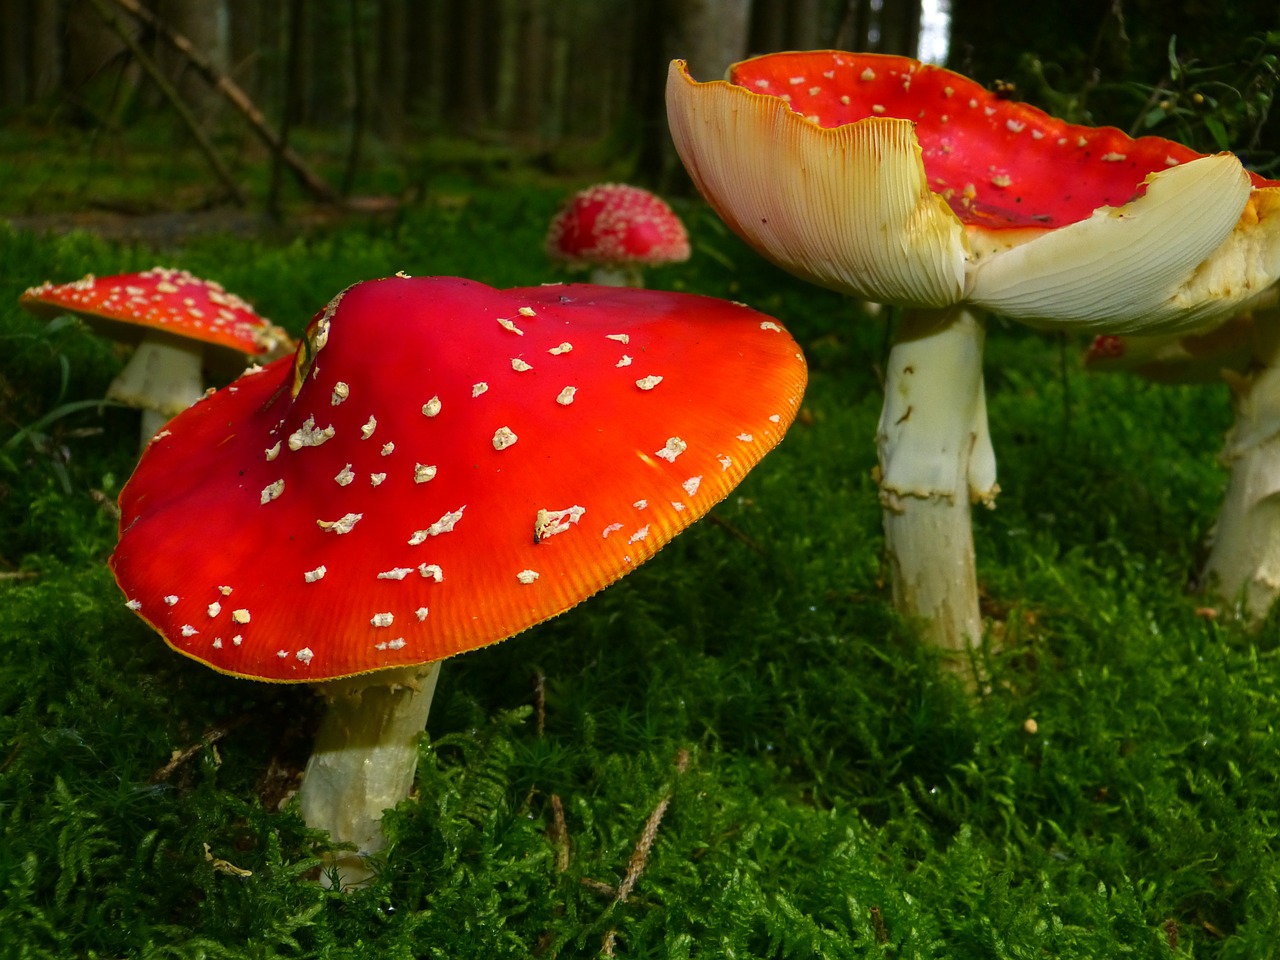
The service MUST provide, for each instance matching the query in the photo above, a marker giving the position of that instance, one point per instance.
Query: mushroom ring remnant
(904, 183)
(440, 466)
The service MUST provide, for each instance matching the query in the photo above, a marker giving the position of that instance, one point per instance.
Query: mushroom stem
(935, 459)
(162, 377)
(621, 276)
(363, 761)
(1244, 560)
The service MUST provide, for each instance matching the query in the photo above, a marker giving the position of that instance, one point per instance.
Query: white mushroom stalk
(363, 762)
(936, 459)
(907, 184)
(1242, 571)
(162, 378)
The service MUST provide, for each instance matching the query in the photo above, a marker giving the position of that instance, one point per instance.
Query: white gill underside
(936, 459)
(821, 202)
(1138, 268)
(363, 761)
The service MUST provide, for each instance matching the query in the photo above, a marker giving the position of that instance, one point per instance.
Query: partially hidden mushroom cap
(443, 465)
(907, 183)
(613, 224)
(163, 301)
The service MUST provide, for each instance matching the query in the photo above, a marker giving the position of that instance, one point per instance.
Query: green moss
(840, 795)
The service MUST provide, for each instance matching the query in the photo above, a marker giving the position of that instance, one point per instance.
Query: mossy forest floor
(738, 751)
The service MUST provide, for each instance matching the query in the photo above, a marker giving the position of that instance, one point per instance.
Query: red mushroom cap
(906, 183)
(614, 224)
(997, 162)
(443, 465)
(128, 306)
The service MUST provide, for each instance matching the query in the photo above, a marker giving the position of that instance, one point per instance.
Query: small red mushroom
(180, 324)
(616, 230)
(440, 466)
(904, 183)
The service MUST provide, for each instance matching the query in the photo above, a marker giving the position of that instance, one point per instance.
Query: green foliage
(826, 790)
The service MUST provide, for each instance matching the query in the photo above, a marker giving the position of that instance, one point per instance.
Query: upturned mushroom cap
(906, 183)
(170, 302)
(443, 465)
(613, 224)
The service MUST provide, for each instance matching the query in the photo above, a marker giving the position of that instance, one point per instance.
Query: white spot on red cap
(431, 571)
(770, 325)
(565, 396)
(171, 599)
(610, 529)
(527, 312)
(271, 491)
(691, 485)
(675, 446)
(215, 608)
(311, 576)
(520, 366)
(624, 362)
(308, 436)
(370, 425)
(503, 438)
(527, 576)
(395, 573)
(388, 449)
(649, 382)
(342, 525)
(383, 619)
(639, 534)
(548, 523)
(340, 392)
(620, 337)
(479, 388)
(134, 605)
(745, 437)
(305, 655)
(376, 478)
(562, 348)
(188, 630)
(508, 325)
(240, 616)
(274, 451)
(423, 472)
(444, 525)
(431, 407)
(421, 613)
(345, 476)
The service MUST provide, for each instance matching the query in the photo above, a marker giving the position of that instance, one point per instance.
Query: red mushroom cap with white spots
(906, 183)
(162, 300)
(443, 465)
(613, 224)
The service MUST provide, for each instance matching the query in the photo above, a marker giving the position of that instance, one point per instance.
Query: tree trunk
(204, 23)
(390, 85)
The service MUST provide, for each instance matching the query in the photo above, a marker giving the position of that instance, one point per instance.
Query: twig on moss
(640, 855)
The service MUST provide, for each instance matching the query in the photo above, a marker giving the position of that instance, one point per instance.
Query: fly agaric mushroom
(180, 324)
(904, 183)
(616, 230)
(442, 465)
(1243, 566)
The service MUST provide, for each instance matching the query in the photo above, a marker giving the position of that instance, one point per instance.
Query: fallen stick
(311, 181)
